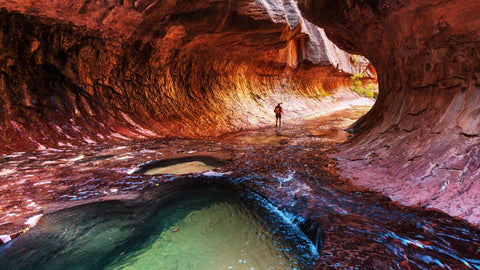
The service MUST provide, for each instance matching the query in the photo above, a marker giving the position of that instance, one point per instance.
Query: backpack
(277, 110)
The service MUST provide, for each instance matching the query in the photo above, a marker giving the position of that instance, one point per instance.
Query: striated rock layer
(419, 143)
(74, 72)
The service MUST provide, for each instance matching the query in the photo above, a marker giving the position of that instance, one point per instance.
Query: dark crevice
(417, 113)
(470, 136)
(314, 232)
(415, 157)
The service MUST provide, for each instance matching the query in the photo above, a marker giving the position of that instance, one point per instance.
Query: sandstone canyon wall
(420, 142)
(78, 72)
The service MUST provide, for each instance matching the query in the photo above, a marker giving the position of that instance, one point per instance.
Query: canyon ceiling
(78, 72)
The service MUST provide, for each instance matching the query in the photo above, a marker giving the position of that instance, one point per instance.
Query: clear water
(194, 229)
(182, 168)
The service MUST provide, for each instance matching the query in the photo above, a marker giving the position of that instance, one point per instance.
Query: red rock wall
(73, 72)
(419, 143)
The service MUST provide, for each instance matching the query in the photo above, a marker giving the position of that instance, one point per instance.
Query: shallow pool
(201, 228)
(181, 165)
(183, 168)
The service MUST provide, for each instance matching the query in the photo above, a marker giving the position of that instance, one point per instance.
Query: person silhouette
(278, 115)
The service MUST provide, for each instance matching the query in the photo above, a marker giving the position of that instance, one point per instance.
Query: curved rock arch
(76, 72)
(419, 143)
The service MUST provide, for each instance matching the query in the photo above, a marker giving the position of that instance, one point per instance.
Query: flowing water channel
(116, 217)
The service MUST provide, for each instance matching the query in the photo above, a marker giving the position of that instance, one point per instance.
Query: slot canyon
(124, 123)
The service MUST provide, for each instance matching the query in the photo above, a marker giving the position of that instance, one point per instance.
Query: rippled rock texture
(73, 72)
(419, 143)
(356, 230)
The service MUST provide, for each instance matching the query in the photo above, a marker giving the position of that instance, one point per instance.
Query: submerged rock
(181, 165)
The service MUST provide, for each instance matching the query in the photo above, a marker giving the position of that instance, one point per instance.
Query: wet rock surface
(419, 143)
(361, 229)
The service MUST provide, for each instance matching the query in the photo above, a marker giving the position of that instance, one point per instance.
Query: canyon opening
(142, 133)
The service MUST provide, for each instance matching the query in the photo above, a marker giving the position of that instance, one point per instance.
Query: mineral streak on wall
(74, 72)
(420, 142)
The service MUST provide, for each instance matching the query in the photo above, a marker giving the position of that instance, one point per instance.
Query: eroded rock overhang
(79, 72)
(419, 143)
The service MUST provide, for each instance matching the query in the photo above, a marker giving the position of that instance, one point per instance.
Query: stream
(287, 169)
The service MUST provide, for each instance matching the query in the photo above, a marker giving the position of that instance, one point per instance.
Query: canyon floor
(291, 166)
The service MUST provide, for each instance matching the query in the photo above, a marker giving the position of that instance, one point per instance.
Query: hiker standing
(278, 115)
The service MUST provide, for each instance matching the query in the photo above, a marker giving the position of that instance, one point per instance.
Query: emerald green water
(192, 229)
(218, 236)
